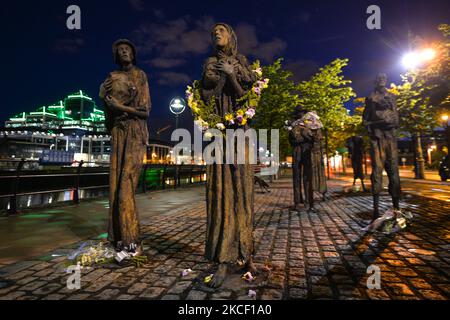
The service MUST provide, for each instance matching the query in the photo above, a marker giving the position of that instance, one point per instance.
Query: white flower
(208, 135)
(220, 126)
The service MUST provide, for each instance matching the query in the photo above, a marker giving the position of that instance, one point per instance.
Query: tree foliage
(326, 93)
(277, 101)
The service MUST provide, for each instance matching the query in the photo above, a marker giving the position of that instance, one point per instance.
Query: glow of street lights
(177, 106)
(411, 60)
(444, 117)
(428, 54)
(414, 59)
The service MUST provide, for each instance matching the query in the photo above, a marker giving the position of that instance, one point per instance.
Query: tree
(277, 101)
(422, 97)
(326, 93)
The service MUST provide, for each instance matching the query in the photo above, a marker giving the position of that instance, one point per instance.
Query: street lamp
(414, 59)
(177, 106)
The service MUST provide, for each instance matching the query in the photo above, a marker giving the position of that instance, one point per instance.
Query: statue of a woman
(126, 97)
(229, 239)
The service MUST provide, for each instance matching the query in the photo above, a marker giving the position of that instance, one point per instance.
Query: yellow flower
(228, 117)
(240, 112)
(244, 121)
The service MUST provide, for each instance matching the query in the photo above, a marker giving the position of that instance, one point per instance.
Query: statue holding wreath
(226, 98)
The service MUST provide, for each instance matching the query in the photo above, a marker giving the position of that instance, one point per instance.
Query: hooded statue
(229, 188)
(214, 82)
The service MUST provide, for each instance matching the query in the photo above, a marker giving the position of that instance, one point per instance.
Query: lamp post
(444, 119)
(414, 60)
(177, 106)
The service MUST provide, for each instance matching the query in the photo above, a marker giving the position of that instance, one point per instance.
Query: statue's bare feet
(219, 276)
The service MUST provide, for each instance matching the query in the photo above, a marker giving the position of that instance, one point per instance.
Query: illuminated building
(77, 113)
(75, 125)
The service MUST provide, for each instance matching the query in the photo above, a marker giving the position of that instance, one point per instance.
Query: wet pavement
(37, 231)
(323, 255)
(431, 187)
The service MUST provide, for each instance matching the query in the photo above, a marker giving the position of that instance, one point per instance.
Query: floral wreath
(204, 115)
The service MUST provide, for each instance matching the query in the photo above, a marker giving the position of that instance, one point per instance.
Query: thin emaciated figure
(125, 94)
(381, 120)
(230, 187)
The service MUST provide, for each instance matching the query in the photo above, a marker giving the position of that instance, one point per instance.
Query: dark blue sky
(43, 61)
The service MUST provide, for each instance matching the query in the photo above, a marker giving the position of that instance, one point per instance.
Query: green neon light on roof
(98, 111)
(43, 113)
(79, 95)
(19, 117)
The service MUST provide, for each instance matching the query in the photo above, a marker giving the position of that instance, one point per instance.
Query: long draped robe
(319, 180)
(229, 187)
(129, 137)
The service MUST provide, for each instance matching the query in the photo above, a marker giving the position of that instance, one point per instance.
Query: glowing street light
(411, 60)
(177, 106)
(428, 54)
(414, 59)
(444, 117)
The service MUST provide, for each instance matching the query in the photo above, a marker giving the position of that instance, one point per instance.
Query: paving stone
(107, 294)
(196, 295)
(126, 297)
(137, 288)
(79, 296)
(170, 297)
(180, 287)
(33, 285)
(152, 293)
(54, 296)
(272, 294)
(47, 289)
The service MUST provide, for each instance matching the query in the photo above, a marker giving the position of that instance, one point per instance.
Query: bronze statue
(229, 189)
(318, 165)
(308, 168)
(381, 119)
(126, 97)
(355, 146)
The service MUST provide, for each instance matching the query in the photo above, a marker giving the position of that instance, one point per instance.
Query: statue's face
(381, 80)
(125, 54)
(221, 36)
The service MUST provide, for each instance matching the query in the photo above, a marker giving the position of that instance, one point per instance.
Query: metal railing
(20, 180)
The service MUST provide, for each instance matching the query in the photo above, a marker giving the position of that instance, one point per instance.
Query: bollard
(164, 177)
(144, 179)
(76, 197)
(13, 199)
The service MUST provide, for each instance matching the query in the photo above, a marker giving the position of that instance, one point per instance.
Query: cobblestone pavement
(321, 255)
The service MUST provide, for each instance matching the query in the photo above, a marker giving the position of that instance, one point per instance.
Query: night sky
(43, 61)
